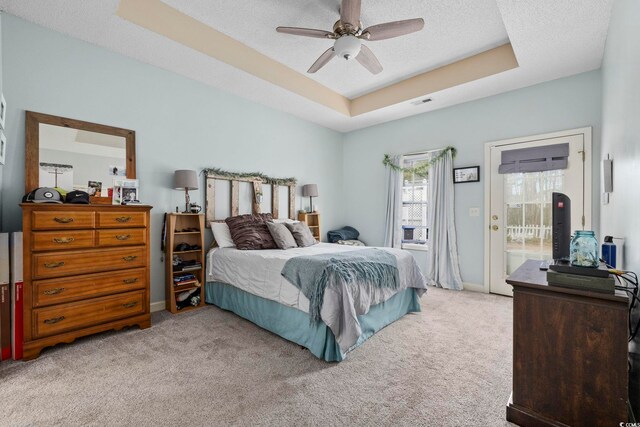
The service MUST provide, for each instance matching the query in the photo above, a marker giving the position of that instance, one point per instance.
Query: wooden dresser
(570, 354)
(86, 270)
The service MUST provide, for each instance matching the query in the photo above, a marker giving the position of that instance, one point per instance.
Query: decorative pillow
(281, 235)
(222, 235)
(284, 221)
(250, 232)
(302, 234)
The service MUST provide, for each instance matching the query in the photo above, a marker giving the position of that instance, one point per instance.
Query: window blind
(536, 159)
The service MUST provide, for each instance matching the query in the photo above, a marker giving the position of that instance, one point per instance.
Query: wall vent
(421, 101)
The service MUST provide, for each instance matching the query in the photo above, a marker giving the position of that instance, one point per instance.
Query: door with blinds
(523, 177)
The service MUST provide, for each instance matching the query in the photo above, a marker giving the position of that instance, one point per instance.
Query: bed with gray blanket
(328, 298)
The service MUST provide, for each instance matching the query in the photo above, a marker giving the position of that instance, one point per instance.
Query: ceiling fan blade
(306, 32)
(322, 61)
(350, 12)
(392, 29)
(369, 60)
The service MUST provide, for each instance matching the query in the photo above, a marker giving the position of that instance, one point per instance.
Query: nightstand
(313, 221)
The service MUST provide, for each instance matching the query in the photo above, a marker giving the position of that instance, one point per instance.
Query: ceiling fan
(348, 34)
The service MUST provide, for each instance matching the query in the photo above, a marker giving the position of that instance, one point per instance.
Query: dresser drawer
(64, 239)
(77, 315)
(68, 263)
(121, 219)
(122, 237)
(57, 291)
(60, 220)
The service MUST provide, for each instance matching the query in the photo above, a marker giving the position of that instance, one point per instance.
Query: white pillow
(284, 221)
(222, 235)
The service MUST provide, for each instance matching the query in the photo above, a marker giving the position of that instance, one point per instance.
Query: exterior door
(520, 208)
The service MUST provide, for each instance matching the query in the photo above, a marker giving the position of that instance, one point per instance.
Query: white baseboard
(158, 306)
(474, 287)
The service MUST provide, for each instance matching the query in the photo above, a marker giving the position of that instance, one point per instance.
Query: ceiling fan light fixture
(347, 47)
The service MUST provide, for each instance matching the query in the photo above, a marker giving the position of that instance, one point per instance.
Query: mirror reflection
(73, 159)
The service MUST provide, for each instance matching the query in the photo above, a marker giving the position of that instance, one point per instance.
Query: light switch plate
(474, 211)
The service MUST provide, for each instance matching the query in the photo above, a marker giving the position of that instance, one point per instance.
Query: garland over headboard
(258, 179)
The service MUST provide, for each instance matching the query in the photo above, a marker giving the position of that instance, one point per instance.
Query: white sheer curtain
(393, 218)
(443, 269)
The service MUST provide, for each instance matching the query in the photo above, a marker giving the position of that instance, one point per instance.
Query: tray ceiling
(550, 39)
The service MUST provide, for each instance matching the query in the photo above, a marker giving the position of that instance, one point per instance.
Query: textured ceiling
(551, 39)
(454, 29)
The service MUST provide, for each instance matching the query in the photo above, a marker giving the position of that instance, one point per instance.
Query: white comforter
(258, 272)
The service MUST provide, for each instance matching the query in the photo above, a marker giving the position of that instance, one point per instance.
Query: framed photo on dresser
(125, 191)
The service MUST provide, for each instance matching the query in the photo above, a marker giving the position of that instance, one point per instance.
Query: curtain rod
(415, 153)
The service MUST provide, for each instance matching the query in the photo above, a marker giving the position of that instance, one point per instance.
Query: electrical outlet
(474, 211)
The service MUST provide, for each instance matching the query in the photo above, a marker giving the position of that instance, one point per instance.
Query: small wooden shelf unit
(313, 221)
(175, 223)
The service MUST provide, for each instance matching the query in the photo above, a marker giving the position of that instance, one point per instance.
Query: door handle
(130, 281)
(129, 258)
(494, 217)
(130, 304)
(54, 291)
(123, 236)
(494, 227)
(123, 219)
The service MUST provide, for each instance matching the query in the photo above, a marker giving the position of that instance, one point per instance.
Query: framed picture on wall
(468, 174)
(3, 110)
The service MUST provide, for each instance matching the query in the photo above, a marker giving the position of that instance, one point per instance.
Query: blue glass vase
(584, 249)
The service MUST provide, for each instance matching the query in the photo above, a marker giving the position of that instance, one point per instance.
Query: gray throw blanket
(311, 274)
(344, 233)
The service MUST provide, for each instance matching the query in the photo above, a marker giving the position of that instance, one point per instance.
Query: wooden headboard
(259, 185)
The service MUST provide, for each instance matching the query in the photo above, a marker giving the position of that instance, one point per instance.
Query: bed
(251, 285)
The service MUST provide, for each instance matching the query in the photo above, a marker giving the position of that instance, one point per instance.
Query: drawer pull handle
(54, 264)
(63, 240)
(130, 304)
(130, 281)
(63, 220)
(123, 219)
(54, 320)
(129, 258)
(54, 291)
(123, 236)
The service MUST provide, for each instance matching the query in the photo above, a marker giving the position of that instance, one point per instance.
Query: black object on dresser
(570, 353)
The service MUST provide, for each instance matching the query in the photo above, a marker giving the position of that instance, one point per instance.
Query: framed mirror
(75, 155)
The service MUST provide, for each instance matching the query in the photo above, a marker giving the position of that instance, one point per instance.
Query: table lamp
(185, 180)
(310, 191)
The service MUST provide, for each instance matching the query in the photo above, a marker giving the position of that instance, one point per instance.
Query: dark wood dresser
(86, 270)
(570, 354)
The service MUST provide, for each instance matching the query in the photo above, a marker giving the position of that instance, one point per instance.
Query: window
(415, 231)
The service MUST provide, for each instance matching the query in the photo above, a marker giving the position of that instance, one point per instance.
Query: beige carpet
(449, 365)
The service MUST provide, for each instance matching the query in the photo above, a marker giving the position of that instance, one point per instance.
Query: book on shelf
(5, 298)
(17, 296)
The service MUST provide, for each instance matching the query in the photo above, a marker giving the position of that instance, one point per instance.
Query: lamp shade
(185, 179)
(310, 190)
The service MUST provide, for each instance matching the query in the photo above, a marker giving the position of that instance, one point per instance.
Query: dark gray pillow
(302, 234)
(281, 235)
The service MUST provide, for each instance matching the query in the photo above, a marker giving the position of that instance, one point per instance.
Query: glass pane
(527, 213)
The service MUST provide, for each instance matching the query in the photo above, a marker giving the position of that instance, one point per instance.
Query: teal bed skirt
(293, 324)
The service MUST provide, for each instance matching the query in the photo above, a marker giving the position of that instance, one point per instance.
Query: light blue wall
(179, 124)
(621, 131)
(1, 166)
(621, 127)
(567, 103)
